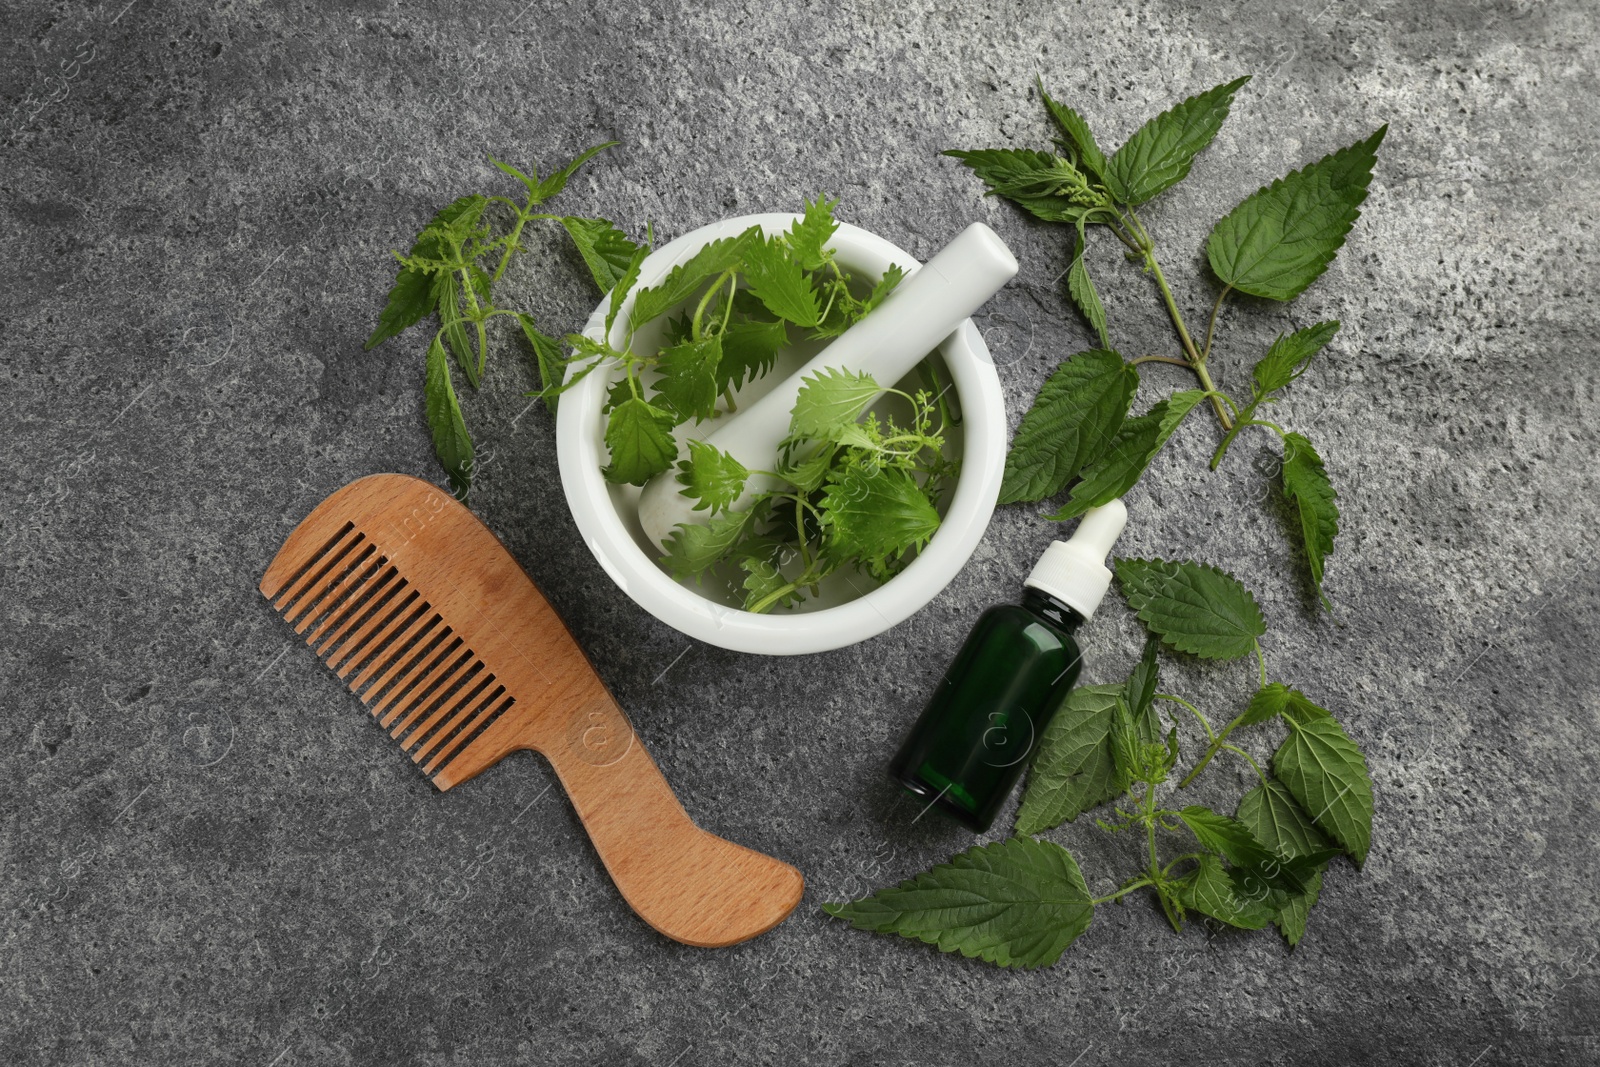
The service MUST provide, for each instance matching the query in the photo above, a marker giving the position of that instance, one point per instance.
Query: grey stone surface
(211, 857)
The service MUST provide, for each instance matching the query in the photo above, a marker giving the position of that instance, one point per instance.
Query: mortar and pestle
(927, 316)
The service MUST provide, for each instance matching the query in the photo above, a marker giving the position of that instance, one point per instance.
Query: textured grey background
(211, 857)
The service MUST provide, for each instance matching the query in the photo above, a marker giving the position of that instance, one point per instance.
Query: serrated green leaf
(1015, 903)
(556, 182)
(1159, 154)
(876, 515)
(1127, 747)
(778, 282)
(809, 236)
(692, 548)
(606, 250)
(1274, 699)
(1233, 841)
(1327, 775)
(711, 476)
(1140, 692)
(1289, 356)
(686, 279)
(1211, 890)
(1193, 607)
(808, 468)
(888, 283)
(412, 296)
(547, 357)
(1073, 770)
(1119, 468)
(749, 349)
(764, 584)
(1278, 822)
(455, 328)
(1081, 288)
(830, 399)
(1072, 421)
(1077, 133)
(1280, 239)
(688, 380)
(531, 182)
(1044, 184)
(451, 442)
(1306, 484)
(639, 437)
(1296, 911)
(624, 286)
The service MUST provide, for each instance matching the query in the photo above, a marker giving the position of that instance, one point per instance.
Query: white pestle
(924, 309)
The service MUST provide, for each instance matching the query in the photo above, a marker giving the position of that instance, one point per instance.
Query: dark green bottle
(970, 746)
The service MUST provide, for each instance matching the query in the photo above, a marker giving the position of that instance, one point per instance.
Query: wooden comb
(416, 604)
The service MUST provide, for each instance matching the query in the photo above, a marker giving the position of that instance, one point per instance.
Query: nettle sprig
(453, 269)
(1080, 430)
(1020, 902)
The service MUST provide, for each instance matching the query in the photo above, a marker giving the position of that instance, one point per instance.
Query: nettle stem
(1145, 247)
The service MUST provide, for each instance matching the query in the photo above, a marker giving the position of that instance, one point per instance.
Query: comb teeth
(365, 621)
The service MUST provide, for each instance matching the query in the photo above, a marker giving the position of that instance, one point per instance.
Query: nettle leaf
(807, 469)
(1233, 841)
(778, 282)
(809, 236)
(1077, 132)
(1193, 607)
(450, 439)
(829, 399)
(1306, 484)
(1290, 355)
(455, 328)
(1281, 238)
(882, 288)
(1037, 181)
(1073, 770)
(1278, 822)
(1140, 692)
(1159, 155)
(1081, 288)
(711, 476)
(547, 357)
(1119, 468)
(1015, 903)
(692, 548)
(763, 584)
(639, 436)
(749, 350)
(606, 250)
(688, 380)
(875, 515)
(1274, 699)
(1327, 775)
(410, 299)
(1073, 420)
(1211, 890)
(624, 286)
(685, 279)
(556, 182)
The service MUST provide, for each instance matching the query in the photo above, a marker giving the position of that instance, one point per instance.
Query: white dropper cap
(1074, 571)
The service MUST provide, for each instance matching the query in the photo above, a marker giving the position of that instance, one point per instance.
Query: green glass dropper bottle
(968, 749)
